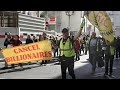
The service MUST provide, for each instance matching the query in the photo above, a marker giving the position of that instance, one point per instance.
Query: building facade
(20, 24)
(62, 20)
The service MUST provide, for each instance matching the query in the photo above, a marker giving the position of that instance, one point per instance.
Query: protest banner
(27, 53)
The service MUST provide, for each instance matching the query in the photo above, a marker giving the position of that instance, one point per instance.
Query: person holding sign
(44, 35)
(28, 41)
(7, 45)
(16, 42)
(67, 52)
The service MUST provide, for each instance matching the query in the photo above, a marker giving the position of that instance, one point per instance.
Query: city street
(32, 29)
(52, 71)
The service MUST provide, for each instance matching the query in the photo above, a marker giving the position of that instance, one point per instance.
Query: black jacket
(7, 42)
(29, 41)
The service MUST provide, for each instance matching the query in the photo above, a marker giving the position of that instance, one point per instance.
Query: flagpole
(95, 22)
(94, 28)
(84, 26)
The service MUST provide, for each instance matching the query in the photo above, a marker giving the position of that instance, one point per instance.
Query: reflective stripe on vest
(97, 45)
(66, 49)
(112, 50)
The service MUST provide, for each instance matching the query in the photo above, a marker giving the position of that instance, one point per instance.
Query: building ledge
(42, 14)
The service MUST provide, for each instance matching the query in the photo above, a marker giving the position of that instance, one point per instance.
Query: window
(8, 19)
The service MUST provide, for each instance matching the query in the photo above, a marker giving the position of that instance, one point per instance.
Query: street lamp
(69, 13)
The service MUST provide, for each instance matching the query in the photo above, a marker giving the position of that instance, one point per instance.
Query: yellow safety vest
(112, 50)
(67, 50)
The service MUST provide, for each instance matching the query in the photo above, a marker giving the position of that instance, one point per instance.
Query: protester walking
(28, 41)
(109, 57)
(117, 47)
(77, 49)
(14, 43)
(44, 37)
(67, 53)
(94, 50)
(7, 44)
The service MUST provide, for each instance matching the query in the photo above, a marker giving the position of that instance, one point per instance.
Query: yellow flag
(102, 21)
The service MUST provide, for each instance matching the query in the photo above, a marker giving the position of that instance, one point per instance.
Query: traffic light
(46, 24)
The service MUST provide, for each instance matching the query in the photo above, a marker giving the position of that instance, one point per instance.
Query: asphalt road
(53, 71)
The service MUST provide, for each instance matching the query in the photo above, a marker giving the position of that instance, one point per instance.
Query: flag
(102, 22)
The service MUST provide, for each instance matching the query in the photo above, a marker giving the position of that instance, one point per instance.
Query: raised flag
(102, 22)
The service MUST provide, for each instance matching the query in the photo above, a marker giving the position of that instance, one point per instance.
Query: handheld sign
(26, 53)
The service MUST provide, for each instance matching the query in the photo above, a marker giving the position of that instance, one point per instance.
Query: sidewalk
(82, 70)
(116, 69)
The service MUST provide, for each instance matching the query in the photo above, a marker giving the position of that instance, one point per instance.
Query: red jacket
(16, 43)
(76, 45)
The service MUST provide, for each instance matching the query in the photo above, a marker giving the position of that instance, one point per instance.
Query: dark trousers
(103, 55)
(81, 49)
(55, 51)
(13, 65)
(67, 63)
(77, 54)
(109, 60)
(117, 52)
(6, 65)
(44, 61)
(93, 60)
(86, 49)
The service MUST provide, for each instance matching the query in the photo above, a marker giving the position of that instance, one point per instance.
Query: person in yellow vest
(109, 57)
(67, 53)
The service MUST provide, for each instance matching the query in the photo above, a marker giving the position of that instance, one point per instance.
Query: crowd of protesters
(98, 49)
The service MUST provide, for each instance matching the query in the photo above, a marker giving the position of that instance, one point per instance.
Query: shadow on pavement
(84, 61)
(17, 70)
(84, 72)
